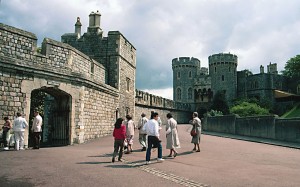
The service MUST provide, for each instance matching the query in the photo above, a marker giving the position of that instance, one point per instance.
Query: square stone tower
(114, 52)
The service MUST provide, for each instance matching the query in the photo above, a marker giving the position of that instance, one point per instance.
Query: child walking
(119, 134)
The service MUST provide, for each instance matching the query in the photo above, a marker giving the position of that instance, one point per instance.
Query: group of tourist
(17, 128)
(149, 135)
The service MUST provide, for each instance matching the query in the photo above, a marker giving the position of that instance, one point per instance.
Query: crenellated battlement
(55, 57)
(123, 46)
(150, 100)
(223, 58)
(185, 62)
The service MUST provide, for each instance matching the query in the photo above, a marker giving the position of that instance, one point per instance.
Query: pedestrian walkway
(221, 162)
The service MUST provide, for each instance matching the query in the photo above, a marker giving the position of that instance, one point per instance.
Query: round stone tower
(222, 70)
(184, 71)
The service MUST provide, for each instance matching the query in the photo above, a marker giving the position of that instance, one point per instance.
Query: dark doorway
(201, 112)
(54, 106)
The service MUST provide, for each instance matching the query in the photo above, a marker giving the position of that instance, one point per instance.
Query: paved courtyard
(222, 162)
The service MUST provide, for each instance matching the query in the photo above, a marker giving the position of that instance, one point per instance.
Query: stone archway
(55, 105)
(57, 89)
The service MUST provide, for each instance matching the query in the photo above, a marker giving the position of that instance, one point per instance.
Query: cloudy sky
(257, 31)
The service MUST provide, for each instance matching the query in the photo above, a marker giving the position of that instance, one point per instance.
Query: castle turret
(185, 69)
(203, 71)
(272, 68)
(222, 69)
(262, 69)
(78, 27)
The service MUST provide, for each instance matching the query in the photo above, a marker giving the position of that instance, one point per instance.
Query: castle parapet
(54, 57)
(223, 58)
(146, 99)
(185, 62)
(17, 43)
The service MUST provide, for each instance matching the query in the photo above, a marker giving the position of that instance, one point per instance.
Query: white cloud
(165, 93)
(258, 32)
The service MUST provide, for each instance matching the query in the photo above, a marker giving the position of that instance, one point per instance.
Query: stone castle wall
(146, 99)
(77, 83)
(182, 117)
(145, 103)
(260, 126)
(98, 113)
(60, 70)
(262, 85)
(124, 55)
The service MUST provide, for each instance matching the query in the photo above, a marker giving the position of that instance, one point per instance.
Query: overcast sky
(257, 31)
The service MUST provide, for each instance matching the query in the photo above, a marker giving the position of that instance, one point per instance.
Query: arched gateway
(56, 102)
(55, 107)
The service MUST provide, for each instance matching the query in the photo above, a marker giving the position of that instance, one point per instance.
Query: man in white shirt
(152, 129)
(19, 126)
(37, 129)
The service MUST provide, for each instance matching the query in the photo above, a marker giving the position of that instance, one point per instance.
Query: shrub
(215, 113)
(248, 109)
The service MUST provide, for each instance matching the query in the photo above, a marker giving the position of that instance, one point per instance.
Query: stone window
(127, 84)
(178, 94)
(256, 84)
(215, 69)
(178, 75)
(229, 69)
(92, 67)
(223, 78)
(127, 110)
(117, 113)
(190, 74)
(190, 95)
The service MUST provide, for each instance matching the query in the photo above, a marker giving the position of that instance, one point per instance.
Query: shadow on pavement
(118, 166)
(93, 162)
(185, 153)
(4, 181)
(105, 155)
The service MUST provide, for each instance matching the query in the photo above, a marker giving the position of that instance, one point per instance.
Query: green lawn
(294, 112)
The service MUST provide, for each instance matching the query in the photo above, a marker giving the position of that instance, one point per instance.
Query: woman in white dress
(172, 135)
(130, 127)
(196, 122)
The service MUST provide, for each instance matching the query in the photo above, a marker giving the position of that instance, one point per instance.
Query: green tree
(292, 67)
(37, 102)
(220, 103)
(263, 102)
(248, 109)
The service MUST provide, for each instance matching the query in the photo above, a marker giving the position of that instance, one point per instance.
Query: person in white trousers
(19, 126)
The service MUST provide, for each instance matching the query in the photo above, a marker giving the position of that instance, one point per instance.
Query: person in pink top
(119, 134)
